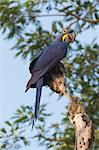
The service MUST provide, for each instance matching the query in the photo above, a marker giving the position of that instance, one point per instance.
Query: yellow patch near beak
(64, 37)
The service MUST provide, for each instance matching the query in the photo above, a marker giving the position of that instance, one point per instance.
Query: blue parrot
(44, 64)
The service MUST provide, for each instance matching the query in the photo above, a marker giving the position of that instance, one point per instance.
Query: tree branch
(84, 19)
(69, 14)
(52, 139)
(84, 133)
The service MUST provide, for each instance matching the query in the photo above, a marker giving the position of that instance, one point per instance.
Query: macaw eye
(65, 31)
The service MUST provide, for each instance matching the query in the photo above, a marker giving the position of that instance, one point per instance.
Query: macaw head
(67, 36)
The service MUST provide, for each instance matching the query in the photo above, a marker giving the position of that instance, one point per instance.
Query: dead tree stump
(84, 133)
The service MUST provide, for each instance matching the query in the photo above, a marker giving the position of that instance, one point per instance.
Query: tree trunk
(83, 126)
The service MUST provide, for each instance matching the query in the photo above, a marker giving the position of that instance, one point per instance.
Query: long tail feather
(39, 85)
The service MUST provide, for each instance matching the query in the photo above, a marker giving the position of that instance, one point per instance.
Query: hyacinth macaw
(47, 68)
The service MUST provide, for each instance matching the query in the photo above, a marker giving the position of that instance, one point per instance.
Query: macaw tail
(39, 85)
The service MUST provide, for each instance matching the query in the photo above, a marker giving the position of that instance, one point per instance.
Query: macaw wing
(32, 63)
(49, 59)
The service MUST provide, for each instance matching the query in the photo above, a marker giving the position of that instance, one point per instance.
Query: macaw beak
(71, 37)
(68, 35)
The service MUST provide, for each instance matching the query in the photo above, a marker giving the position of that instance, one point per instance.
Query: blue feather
(39, 85)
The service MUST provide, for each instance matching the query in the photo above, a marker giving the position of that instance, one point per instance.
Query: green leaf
(8, 123)
(20, 120)
(3, 130)
(96, 15)
(54, 28)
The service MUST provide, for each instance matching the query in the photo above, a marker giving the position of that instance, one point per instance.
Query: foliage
(21, 20)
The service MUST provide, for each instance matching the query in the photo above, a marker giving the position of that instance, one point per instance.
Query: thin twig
(85, 19)
(69, 14)
(50, 139)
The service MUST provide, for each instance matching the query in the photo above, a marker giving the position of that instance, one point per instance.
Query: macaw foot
(63, 91)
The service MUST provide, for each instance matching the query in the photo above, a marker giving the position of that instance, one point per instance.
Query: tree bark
(84, 133)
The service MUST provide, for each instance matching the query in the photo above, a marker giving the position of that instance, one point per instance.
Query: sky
(14, 75)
